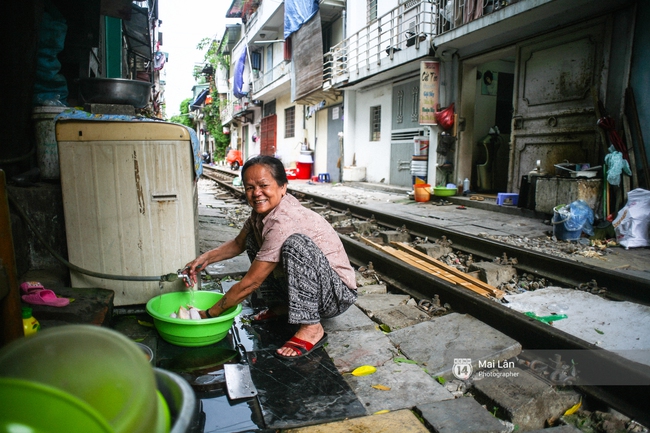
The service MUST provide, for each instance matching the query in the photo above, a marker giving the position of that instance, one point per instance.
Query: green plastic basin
(27, 406)
(441, 191)
(99, 366)
(191, 333)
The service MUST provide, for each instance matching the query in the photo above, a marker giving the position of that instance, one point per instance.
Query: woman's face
(262, 191)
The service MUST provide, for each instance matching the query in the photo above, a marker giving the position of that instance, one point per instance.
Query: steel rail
(594, 362)
(620, 285)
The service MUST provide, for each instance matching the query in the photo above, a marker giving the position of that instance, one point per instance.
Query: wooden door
(268, 144)
(554, 118)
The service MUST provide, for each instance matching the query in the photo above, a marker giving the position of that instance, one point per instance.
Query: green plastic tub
(190, 333)
(99, 366)
(441, 191)
(28, 406)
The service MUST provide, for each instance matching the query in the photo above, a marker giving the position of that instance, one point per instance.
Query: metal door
(405, 105)
(554, 117)
(334, 126)
(401, 154)
(268, 138)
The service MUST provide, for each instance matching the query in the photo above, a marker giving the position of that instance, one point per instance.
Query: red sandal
(302, 347)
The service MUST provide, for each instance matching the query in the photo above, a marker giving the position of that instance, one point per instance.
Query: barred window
(375, 123)
(371, 11)
(290, 122)
(269, 108)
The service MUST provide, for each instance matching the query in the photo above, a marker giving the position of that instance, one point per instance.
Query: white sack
(632, 223)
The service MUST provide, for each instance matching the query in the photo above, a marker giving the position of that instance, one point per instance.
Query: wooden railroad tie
(419, 260)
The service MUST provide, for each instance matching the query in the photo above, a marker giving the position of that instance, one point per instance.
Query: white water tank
(130, 203)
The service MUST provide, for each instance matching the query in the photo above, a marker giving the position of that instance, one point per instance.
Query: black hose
(76, 268)
(19, 158)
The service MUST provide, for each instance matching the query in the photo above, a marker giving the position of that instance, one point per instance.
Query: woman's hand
(194, 268)
(227, 250)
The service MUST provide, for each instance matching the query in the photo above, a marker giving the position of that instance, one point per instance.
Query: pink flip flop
(45, 297)
(31, 287)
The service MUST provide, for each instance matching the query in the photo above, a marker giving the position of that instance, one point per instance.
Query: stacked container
(420, 160)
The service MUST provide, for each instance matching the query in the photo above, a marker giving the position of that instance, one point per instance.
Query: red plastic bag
(445, 118)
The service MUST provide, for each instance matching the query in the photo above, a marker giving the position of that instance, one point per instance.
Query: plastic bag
(579, 216)
(615, 166)
(633, 220)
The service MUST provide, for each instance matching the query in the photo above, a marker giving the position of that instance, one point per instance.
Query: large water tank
(130, 203)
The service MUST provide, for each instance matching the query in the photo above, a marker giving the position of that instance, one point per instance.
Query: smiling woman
(298, 263)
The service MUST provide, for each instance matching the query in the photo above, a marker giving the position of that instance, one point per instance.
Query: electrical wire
(23, 215)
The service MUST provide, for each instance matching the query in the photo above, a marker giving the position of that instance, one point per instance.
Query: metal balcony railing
(269, 77)
(411, 23)
(452, 14)
(227, 110)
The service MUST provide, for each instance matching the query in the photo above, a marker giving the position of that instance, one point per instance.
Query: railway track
(630, 398)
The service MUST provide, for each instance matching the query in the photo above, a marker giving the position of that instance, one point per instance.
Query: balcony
(269, 77)
(464, 27)
(237, 109)
(401, 35)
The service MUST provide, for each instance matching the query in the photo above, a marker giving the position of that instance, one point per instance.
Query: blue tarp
(239, 76)
(198, 102)
(296, 13)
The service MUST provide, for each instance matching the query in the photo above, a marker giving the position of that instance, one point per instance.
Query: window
(371, 11)
(375, 123)
(290, 122)
(269, 108)
(269, 58)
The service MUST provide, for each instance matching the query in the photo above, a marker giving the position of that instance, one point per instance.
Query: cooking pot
(115, 91)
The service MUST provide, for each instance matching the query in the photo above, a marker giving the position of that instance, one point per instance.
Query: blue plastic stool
(323, 177)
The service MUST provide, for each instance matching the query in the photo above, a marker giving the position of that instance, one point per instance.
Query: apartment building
(528, 81)
(278, 101)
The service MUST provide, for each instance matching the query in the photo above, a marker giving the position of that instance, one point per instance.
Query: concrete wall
(288, 148)
(374, 155)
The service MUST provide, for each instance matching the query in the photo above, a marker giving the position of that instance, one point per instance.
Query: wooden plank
(429, 268)
(630, 151)
(633, 115)
(457, 273)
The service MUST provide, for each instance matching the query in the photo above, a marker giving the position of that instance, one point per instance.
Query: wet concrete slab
(461, 415)
(89, 306)
(303, 391)
(523, 398)
(352, 319)
(373, 289)
(402, 421)
(397, 386)
(373, 303)
(400, 316)
(354, 348)
(437, 343)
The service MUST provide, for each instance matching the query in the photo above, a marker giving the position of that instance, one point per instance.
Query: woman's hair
(274, 165)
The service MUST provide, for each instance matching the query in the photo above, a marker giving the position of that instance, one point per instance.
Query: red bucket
(303, 170)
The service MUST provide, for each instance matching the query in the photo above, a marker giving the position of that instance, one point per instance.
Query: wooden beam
(450, 269)
(440, 272)
(10, 307)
